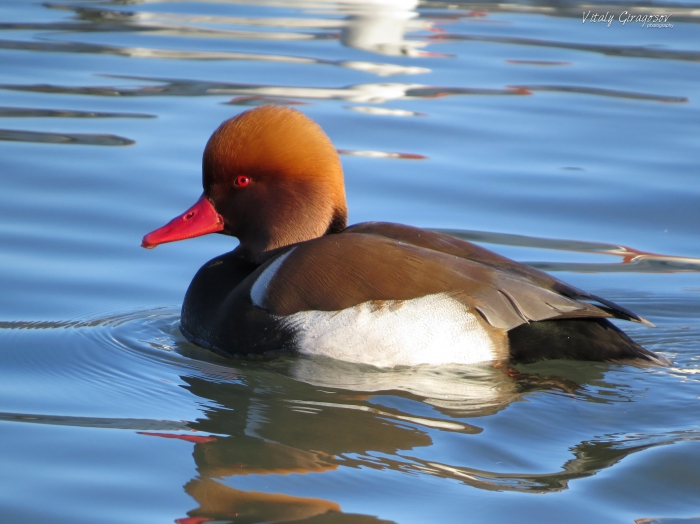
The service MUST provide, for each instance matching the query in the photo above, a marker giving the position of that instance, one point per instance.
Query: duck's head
(271, 178)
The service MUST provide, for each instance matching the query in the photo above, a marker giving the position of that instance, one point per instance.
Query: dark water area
(570, 145)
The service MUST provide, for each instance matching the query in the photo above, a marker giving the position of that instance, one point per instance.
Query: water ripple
(43, 137)
(590, 457)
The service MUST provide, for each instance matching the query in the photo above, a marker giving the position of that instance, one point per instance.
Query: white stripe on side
(259, 288)
(435, 329)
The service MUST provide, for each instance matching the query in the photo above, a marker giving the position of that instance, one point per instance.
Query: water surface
(571, 146)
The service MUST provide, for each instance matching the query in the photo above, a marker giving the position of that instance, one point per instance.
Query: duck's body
(376, 293)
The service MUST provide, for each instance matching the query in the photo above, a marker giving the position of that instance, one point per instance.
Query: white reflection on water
(474, 389)
(379, 26)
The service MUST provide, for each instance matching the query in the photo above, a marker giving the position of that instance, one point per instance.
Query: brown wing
(338, 271)
(461, 248)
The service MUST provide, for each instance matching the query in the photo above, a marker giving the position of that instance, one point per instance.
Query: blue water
(571, 146)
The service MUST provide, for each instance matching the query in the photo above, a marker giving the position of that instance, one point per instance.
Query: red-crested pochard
(376, 293)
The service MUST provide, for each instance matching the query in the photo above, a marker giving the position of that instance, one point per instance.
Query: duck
(376, 293)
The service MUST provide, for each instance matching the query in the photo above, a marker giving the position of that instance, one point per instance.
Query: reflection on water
(383, 111)
(362, 33)
(373, 25)
(379, 26)
(604, 92)
(354, 418)
(589, 459)
(471, 390)
(367, 93)
(165, 54)
(633, 260)
(685, 12)
(95, 422)
(611, 50)
(382, 154)
(12, 135)
(15, 112)
(361, 93)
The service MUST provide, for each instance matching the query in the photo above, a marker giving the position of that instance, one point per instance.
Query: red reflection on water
(630, 255)
(381, 154)
(188, 438)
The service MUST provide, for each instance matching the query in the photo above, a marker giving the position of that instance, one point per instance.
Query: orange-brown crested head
(275, 178)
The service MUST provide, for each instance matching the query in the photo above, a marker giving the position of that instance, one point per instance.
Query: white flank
(259, 288)
(435, 329)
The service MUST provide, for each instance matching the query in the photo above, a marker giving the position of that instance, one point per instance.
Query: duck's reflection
(278, 430)
(297, 416)
(272, 434)
(218, 502)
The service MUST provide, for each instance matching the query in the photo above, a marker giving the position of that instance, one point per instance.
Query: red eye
(242, 180)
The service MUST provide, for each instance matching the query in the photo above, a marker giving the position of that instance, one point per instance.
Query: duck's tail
(578, 339)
